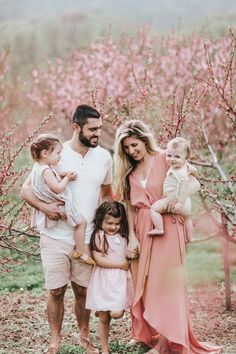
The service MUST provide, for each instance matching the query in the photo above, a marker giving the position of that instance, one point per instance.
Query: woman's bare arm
(133, 245)
(187, 189)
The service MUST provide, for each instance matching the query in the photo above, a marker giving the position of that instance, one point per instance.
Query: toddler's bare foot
(155, 232)
(83, 257)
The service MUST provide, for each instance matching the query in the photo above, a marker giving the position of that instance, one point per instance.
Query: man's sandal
(88, 345)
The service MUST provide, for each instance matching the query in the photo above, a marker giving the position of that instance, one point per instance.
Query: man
(93, 165)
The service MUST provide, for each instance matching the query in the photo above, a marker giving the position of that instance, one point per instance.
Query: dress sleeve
(42, 168)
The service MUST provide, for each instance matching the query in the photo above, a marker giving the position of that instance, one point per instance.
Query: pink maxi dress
(160, 301)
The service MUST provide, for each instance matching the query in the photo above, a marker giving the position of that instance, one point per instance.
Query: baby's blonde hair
(182, 143)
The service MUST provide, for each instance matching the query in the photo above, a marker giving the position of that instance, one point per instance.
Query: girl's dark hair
(112, 208)
(43, 142)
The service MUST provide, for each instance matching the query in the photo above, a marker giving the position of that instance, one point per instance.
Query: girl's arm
(55, 185)
(101, 261)
(133, 245)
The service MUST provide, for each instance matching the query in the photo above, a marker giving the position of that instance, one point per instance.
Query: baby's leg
(189, 229)
(104, 329)
(156, 209)
(80, 235)
(81, 252)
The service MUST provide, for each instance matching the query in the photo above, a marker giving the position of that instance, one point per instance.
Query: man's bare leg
(55, 312)
(83, 316)
(81, 313)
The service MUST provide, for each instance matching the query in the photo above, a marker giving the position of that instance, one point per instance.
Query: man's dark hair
(82, 113)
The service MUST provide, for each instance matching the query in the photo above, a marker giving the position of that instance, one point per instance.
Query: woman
(160, 309)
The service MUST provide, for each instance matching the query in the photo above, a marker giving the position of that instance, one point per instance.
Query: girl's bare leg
(80, 231)
(81, 252)
(156, 209)
(103, 329)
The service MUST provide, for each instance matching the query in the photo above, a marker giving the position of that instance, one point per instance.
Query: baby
(175, 183)
(49, 187)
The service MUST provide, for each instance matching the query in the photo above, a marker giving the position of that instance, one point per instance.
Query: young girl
(175, 183)
(110, 289)
(49, 187)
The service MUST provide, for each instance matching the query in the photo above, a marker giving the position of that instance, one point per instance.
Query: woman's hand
(133, 248)
(177, 208)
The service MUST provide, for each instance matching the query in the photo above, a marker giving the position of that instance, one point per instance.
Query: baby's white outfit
(172, 183)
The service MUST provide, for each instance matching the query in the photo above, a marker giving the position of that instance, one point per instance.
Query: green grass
(115, 347)
(22, 277)
(205, 264)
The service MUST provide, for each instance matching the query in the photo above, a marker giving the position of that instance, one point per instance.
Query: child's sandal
(83, 257)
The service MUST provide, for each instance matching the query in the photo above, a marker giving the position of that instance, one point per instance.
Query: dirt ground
(24, 329)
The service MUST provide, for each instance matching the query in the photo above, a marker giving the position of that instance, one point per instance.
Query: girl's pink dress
(110, 289)
(160, 301)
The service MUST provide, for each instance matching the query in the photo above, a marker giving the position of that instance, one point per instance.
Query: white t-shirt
(94, 169)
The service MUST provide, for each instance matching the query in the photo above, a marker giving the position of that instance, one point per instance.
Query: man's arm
(51, 210)
(106, 192)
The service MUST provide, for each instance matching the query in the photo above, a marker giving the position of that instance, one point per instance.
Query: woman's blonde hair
(124, 163)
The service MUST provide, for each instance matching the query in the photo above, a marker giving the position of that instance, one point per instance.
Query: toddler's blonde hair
(182, 143)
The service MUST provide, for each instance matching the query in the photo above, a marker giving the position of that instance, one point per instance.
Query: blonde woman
(160, 310)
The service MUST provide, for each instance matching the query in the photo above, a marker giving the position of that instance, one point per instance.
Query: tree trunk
(226, 252)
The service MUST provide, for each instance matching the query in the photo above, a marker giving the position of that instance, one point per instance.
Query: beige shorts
(58, 266)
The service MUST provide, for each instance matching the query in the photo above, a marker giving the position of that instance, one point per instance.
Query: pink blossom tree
(180, 86)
